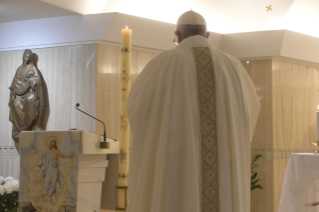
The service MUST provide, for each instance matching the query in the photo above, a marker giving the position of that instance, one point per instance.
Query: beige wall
(261, 75)
(289, 95)
(296, 98)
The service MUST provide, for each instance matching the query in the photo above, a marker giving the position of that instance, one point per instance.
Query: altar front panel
(49, 169)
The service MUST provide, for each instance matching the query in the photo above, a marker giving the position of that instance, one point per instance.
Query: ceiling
(18, 10)
(227, 16)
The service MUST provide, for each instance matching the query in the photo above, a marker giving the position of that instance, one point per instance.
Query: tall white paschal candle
(124, 123)
(318, 124)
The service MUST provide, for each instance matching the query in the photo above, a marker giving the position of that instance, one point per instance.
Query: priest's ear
(207, 34)
(179, 37)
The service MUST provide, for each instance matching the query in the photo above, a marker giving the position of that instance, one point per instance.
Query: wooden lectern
(80, 174)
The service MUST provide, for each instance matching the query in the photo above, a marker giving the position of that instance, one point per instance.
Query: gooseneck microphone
(103, 145)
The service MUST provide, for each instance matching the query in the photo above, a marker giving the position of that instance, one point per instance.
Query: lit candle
(124, 123)
(126, 37)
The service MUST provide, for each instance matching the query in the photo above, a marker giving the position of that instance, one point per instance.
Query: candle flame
(318, 107)
(127, 28)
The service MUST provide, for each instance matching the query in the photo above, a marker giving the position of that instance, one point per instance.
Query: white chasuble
(192, 113)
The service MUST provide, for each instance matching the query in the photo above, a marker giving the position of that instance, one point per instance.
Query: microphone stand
(103, 145)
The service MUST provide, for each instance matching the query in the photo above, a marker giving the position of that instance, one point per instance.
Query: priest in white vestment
(192, 113)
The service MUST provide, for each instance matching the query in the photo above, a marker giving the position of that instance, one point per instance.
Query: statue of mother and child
(26, 98)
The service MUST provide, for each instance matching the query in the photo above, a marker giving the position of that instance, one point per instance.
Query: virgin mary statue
(26, 98)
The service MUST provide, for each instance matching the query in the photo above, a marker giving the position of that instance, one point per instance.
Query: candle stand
(125, 188)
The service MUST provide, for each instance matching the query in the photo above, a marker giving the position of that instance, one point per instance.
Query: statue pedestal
(88, 167)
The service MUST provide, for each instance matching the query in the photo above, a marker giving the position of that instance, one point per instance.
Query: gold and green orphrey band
(207, 109)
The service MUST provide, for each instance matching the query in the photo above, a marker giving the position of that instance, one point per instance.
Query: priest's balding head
(190, 24)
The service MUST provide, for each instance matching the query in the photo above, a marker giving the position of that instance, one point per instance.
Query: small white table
(301, 184)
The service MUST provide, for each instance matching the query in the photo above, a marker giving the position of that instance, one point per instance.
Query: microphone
(103, 145)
